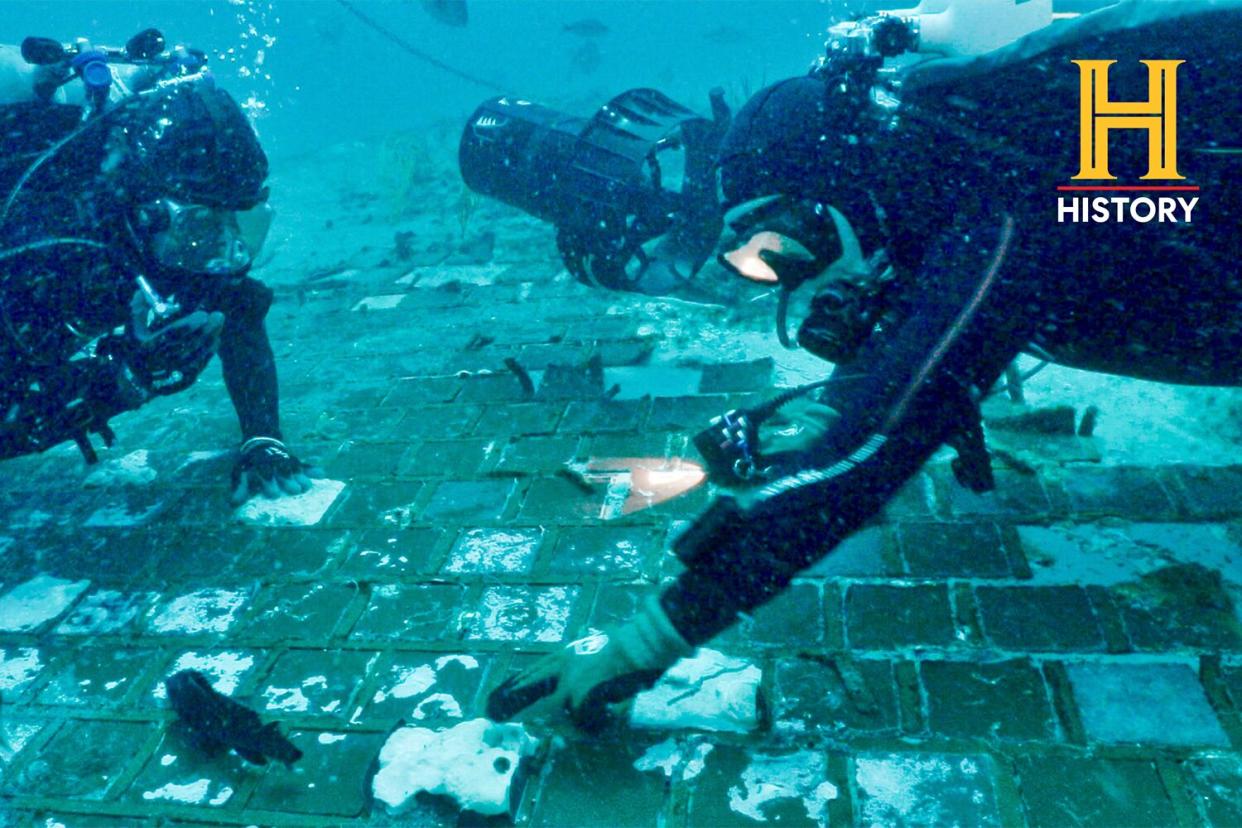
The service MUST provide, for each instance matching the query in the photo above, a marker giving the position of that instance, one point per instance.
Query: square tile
(494, 550)
(520, 613)
(1144, 703)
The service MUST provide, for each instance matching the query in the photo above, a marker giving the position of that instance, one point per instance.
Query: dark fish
(216, 722)
(726, 36)
(448, 12)
(587, 27)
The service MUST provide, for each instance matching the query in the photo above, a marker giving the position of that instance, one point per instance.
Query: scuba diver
(132, 202)
(923, 208)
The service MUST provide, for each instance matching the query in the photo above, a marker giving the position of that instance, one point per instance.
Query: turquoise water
(327, 78)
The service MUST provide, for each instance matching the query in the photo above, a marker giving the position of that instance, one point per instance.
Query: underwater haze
(315, 75)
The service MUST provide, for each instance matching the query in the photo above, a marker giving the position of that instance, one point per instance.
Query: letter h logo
(1157, 115)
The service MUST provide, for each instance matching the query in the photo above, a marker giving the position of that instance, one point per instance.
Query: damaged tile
(410, 612)
(1144, 703)
(315, 681)
(98, 677)
(105, 611)
(495, 550)
(38, 601)
(926, 789)
(427, 687)
(384, 302)
(203, 611)
(518, 613)
(19, 666)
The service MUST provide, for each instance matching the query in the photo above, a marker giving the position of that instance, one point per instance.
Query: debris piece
(215, 722)
(574, 474)
(586, 27)
(528, 385)
(1057, 419)
(478, 341)
(448, 12)
(1013, 461)
(403, 242)
(475, 763)
(30, 605)
(131, 470)
(1086, 428)
(582, 382)
(384, 302)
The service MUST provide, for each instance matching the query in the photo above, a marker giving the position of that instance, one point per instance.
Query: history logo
(1099, 117)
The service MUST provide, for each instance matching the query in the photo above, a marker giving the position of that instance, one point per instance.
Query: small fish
(448, 12)
(216, 722)
(587, 27)
(726, 36)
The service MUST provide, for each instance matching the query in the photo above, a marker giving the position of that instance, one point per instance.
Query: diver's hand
(266, 466)
(588, 675)
(798, 426)
(169, 358)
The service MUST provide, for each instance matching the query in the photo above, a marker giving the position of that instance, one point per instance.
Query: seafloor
(1064, 651)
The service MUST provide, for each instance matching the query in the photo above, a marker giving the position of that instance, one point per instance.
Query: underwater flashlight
(645, 481)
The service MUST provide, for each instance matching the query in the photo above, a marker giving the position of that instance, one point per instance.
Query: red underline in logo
(1166, 189)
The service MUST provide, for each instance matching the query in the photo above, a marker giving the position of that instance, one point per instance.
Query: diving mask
(787, 242)
(199, 239)
(781, 240)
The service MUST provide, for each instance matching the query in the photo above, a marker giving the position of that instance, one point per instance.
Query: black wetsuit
(967, 184)
(62, 307)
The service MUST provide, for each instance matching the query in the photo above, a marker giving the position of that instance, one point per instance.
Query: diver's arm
(264, 464)
(964, 333)
(248, 364)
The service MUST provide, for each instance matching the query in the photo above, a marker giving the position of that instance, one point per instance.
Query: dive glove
(588, 675)
(266, 466)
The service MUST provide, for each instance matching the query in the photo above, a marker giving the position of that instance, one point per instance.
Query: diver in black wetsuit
(936, 216)
(123, 265)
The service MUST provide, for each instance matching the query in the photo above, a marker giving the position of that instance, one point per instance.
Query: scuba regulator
(93, 64)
